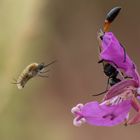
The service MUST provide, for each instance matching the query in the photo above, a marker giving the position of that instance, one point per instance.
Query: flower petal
(120, 87)
(114, 53)
(135, 119)
(104, 115)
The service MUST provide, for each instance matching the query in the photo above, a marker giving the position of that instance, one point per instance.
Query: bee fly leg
(44, 76)
(15, 81)
(45, 71)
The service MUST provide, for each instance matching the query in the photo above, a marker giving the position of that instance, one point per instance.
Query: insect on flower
(119, 98)
(113, 53)
(109, 69)
(31, 71)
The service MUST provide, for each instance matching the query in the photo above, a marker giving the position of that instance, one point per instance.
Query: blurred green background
(41, 31)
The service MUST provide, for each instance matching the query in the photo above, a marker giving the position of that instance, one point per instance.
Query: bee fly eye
(41, 66)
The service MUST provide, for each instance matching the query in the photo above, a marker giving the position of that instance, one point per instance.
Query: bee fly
(31, 71)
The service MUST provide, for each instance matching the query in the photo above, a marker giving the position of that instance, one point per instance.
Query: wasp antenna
(112, 14)
(50, 63)
(101, 61)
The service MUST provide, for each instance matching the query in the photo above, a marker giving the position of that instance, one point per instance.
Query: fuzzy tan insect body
(31, 71)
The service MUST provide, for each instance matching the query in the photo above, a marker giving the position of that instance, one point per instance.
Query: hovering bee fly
(31, 71)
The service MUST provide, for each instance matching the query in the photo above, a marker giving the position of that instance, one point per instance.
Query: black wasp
(109, 70)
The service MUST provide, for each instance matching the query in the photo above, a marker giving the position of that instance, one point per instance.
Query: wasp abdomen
(113, 14)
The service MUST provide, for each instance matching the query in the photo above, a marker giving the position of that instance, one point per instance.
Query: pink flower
(114, 53)
(97, 114)
(127, 89)
(121, 87)
(120, 98)
(114, 109)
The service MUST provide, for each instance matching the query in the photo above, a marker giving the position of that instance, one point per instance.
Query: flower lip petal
(135, 119)
(103, 115)
(119, 88)
(138, 90)
(114, 115)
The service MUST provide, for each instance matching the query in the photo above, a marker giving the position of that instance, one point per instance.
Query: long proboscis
(111, 16)
(50, 63)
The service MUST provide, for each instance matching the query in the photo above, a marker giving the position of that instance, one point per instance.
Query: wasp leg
(124, 52)
(107, 83)
(103, 91)
(128, 77)
(121, 74)
(100, 93)
(101, 61)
